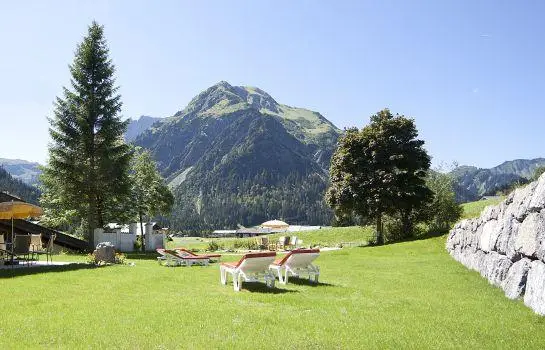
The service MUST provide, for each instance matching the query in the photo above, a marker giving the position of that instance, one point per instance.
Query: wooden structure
(23, 227)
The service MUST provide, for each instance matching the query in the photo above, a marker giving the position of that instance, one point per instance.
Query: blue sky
(471, 73)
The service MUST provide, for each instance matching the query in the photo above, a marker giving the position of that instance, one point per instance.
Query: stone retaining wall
(506, 244)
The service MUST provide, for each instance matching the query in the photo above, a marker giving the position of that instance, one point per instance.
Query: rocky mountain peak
(257, 98)
(223, 98)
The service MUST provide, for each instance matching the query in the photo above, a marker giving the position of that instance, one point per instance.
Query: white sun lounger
(249, 269)
(173, 258)
(296, 262)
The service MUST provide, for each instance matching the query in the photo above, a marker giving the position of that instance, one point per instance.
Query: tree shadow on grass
(33, 270)
(306, 282)
(257, 287)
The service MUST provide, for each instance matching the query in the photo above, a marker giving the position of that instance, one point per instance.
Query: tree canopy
(443, 210)
(379, 170)
(150, 194)
(86, 178)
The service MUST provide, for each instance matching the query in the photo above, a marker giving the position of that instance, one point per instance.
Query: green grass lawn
(474, 209)
(327, 237)
(405, 295)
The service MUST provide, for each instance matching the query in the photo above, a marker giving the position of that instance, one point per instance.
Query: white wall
(124, 242)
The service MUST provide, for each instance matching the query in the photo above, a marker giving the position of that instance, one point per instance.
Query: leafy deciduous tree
(443, 210)
(379, 170)
(151, 196)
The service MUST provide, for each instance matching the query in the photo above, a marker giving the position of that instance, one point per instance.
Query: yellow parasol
(18, 210)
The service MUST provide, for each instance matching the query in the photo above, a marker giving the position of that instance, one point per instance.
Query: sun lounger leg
(269, 280)
(237, 282)
(280, 277)
(223, 275)
(314, 271)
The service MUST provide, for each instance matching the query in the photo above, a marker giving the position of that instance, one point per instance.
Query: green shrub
(245, 243)
(120, 258)
(137, 245)
(214, 246)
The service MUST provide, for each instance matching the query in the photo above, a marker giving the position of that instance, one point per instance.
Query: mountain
(136, 127)
(236, 156)
(17, 187)
(23, 170)
(471, 183)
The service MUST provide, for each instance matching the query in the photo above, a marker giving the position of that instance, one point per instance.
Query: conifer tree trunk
(380, 234)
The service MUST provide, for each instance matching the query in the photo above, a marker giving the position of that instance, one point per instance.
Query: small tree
(443, 210)
(537, 173)
(86, 179)
(151, 195)
(379, 170)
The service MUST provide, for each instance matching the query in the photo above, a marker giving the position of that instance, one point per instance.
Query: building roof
(258, 230)
(6, 197)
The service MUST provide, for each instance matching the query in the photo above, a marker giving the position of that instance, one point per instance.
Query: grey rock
(534, 297)
(105, 252)
(515, 281)
(490, 213)
(497, 267)
(522, 200)
(537, 201)
(508, 232)
(489, 236)
(530, 234)
(477, 260)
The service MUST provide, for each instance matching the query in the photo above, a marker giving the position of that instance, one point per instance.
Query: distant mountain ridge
(138, 126)
(471, 183)
(236, 156)
(23, 170)
(17, 188)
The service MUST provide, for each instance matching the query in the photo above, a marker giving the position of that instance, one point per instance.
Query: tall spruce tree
(380, 170)
(86, 179)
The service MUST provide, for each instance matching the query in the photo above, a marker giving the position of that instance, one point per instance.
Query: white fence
(125, 241)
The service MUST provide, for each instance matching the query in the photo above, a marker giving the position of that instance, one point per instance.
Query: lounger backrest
(256, 262)
(183, 255)
(36, 242)
(300, 258)
(22, 244)
(176, 253)
(170, 253)
(185, 252)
